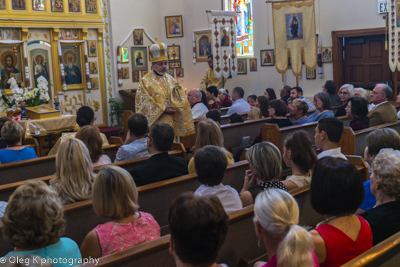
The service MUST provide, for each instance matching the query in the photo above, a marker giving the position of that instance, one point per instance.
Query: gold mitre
(158, 52)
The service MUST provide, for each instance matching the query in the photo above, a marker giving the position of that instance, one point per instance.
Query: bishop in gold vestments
(160, 99)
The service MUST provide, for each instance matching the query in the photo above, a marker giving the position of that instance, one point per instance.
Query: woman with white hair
(345, 92)
(223, 95)
(276, 215)
(385, 186)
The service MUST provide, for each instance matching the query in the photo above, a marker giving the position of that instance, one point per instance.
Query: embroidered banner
(393, 24)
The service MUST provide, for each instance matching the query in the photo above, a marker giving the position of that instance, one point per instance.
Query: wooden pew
(384, 254)
(225, 118)
(354, 143)
(224, 111)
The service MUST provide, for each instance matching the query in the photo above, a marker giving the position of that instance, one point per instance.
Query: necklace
(327, 220)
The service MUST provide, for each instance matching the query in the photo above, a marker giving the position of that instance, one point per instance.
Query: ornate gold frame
(81, 86)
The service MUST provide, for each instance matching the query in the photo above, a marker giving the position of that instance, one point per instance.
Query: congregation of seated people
(358, 214)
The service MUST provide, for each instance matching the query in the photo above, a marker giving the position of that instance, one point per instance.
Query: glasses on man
(162, 63)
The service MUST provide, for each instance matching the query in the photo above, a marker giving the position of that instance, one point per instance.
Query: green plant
(117, 111)
(9, 103)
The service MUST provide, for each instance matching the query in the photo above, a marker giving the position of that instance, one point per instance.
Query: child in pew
(198, 227)
(299, 154)
(210, 166)
(33, 223)
(74, 171)
(115, 196)
(254, 114)
(235, 118)
(276, 215)
(336, 192)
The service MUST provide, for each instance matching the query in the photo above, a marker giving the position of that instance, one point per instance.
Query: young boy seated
(210, 164)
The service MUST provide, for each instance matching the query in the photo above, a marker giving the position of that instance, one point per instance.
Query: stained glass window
(244, 27)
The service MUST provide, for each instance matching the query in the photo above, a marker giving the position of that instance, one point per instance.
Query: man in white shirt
(383, 111)
(210, 165)
(239, 105)
(297, 92)
(199, 110)
(327, 136)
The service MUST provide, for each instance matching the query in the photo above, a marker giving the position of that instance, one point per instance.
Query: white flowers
(33, 97)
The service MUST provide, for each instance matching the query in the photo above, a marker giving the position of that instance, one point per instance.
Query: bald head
(194, 96)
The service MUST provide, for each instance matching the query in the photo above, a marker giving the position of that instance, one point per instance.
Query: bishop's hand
(169, 110)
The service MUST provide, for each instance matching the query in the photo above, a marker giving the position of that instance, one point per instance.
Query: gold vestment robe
(210, 80)
(153, 95)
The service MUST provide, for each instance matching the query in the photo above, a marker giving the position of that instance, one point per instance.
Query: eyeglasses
(375, 93)
(343, 93)
(161, 63)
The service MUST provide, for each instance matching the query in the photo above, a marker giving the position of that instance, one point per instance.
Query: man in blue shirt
(239, 105)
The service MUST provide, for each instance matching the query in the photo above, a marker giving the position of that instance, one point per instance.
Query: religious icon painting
(15, 34)
(95, 83)
(57, 6)
(242, 66)
(74, 66)
(174, 26)
(311, 75)
(93, 68)
(224, 36)
(18, 4)
(174, 64)
(179, 72)
(68, 35)
(6, 34)
(135, 76)
(125, 73)
(92, 48)
(144, 72)
(39, 59)
(124, 53)
(11, 64)
(75, 34)
(267, 57)
(61, 35)
(326, 54)
(203, 45)
(253, 64)
(171, 72)
(294, 26)
(2, 4)
(139, 58)
(74, 6)
(38, 5)
(174, 52)
(91, 6)
(138, 37)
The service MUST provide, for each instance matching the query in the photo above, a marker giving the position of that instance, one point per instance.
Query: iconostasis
(61, 40)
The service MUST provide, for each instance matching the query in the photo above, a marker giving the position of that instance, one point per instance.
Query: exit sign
(382, 6)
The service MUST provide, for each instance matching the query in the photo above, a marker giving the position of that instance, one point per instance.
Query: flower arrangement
(32, 97)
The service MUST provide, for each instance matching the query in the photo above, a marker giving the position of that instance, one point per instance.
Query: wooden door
(365, 61)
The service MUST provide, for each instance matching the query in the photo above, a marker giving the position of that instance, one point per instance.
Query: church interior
(114, 116)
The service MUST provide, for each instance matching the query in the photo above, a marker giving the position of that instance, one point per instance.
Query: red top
(226, 102)
(216, 105)
(340, 247)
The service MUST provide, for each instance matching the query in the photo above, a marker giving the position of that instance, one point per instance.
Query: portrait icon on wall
(294, 26)
(171, 72)
(68, 35)
(138, 37)
(74, 5)
(326, 54)
(92, 48)
(6, 34)
(95, 82)
(57, 6)
(38, 5)
(174, 26)
(15, 34)
(179, 72)
(61, 35)
(144, 72)
(135, 76)
(18, 4)
(311, 75)
(40, 62)
(2, 4)
(203, 44)
(10, 64)
(91, 6)
(253, 64)
(174, 64)
(242, 66)
(72, 64)
(174, 52)
(267, 57)
(93, 67)
(125, 73)
(124, 53)
(75, 34)
(139, 58)
(224, 36)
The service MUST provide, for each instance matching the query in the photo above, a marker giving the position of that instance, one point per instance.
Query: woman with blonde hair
(115, 196)
(90, 136)
(254, 114)
(276, 215)
(33, 223)
(265, 164)
(74, 171)
(209, 133)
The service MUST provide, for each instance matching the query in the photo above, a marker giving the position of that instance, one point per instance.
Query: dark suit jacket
(159, 167)
(384, 113)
